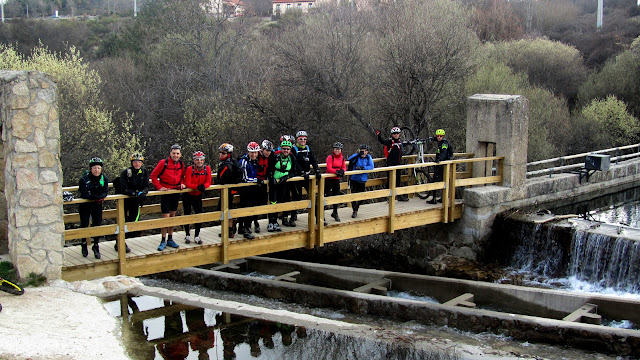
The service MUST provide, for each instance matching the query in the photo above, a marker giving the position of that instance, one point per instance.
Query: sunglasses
(285, 148)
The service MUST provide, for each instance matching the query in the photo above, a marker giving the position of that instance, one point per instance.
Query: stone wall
(32, 172)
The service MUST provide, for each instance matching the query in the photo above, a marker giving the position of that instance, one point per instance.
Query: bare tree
(425, 53)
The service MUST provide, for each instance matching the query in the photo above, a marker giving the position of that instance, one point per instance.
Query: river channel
(209, 333)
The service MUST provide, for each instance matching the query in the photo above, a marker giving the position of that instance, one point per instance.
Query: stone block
(22, 217)
(486, 196)
(25, 161)
(39, 139)
(48, 176)
(20, 124)
(19, 102)
(27, 264)
(39, 108)
(48, 214)
(47, 95)
(40, 121)
(464, 252)
(23, 146)
(47, 159)
(33, 199)
(55, 257)
(27, 179)
(20, 89)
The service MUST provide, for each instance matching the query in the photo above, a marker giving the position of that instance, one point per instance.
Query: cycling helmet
(363, 147)
(176, 147)
(253, 147)
(440, 132)
(301, 133)
(136, 156)
(95, 161)
(198, 155)
(67, 196)
(395, 130)
(337, 145)
(267, 145)
(286, 138)
(226, 147)
(286, 143)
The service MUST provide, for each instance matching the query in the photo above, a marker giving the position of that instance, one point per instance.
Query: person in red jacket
(169, 175)
(335, 165)
(198, 178)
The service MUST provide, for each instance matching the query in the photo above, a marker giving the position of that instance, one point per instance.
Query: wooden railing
(385, 176)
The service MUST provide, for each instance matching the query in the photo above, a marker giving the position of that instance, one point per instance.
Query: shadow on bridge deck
(144, 257)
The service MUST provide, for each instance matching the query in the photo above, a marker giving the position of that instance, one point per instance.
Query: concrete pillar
(32, 172)
(500, 123)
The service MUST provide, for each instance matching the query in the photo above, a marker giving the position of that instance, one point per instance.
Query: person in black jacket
(394, 156)
(135, 183)
(228, 173)
(93, 185)
(306, 160)
(443, 153)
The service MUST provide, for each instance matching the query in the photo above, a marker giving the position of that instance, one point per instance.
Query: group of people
(261, 164)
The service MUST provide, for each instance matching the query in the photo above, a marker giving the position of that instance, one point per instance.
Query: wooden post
(392, 200)
(501, 171)
(445, 194)
(452, 191)
(412, 179)
(122, 253)
(312, 213)
(224, 231)
(320, 205)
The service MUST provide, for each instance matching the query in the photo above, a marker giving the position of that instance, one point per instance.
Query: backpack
(352, 163)
(117, 186)
(237, 173)
(166, 163)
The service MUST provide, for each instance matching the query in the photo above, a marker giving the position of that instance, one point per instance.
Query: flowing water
(604, 255)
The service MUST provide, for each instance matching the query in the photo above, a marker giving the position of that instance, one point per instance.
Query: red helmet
(253, 147)
(198, 155)
(395, 130)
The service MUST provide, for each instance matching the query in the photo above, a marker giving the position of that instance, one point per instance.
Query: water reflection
(158, 329)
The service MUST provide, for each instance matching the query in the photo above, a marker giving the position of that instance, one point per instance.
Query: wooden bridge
(380, 213)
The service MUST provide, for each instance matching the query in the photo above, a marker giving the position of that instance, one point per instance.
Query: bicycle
(11, 288)
(411, 145)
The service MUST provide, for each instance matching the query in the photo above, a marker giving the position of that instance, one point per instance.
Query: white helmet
(395, 130)
(301, 133)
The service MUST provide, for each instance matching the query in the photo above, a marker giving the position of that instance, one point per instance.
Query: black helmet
(364, 147)
(337, 145)
(95, 161)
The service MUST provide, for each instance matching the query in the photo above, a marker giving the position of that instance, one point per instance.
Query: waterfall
(592, 257)
(605, 261)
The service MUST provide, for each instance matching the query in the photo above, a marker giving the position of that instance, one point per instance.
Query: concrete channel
(528, 314)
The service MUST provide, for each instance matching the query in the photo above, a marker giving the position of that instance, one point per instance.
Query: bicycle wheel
(422, 177)
(10, 287)
(406, 135)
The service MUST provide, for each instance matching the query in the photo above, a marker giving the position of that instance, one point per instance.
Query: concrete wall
(501, 121)
(32, 172)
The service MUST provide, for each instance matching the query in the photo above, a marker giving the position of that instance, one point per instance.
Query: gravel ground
(55, 322)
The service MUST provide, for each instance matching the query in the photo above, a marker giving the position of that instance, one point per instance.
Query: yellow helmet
(440, 132)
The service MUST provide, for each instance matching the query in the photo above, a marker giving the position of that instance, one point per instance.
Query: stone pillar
(32, 172)
(500, 122)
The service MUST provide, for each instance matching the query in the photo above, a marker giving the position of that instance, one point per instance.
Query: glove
(201, 187)
(359, 167)
(141, 197)
(316, 171)
(260, 182)
(306, 176)
(377, 132)
(99, 201)
(340, 172)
